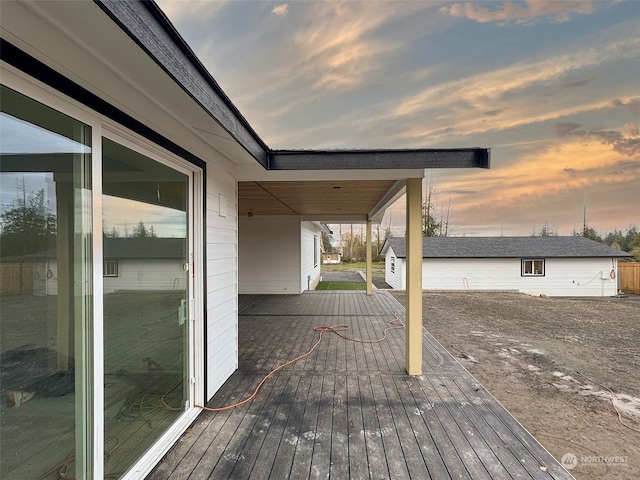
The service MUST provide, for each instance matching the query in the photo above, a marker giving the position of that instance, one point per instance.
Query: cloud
(331, 50)
(626, 143)
(548, 185)
(565, 129)
(493, 113)
(567, 86)
(511, 95)
(522, 13)
(281, 10)
(180, 10)
(633, 103)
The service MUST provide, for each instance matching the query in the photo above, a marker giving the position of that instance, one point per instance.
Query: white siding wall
(269, 254)
(396, 278)
(471, 274)
(310, 270)
(145, 274)
(222, 278)
(563, 276)
(576, 277)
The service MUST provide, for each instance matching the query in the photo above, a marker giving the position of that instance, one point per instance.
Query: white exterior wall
(563, 276)
(579, 277)
(584, 277)
(222, 278)
(145, 274)
(471, 274)
(310, 271)
(269, 255)
(396, 278)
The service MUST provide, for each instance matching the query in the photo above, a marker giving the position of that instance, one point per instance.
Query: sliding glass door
(146, 301)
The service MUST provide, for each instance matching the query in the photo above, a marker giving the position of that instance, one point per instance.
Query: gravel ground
(549, 361)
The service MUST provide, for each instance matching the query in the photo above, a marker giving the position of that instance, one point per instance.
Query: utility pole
(584, 215)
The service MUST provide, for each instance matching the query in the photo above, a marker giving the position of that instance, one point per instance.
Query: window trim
(533, 272)
(392, 267)
(316, 248)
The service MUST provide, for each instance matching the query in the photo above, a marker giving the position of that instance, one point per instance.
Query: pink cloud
(281, 10)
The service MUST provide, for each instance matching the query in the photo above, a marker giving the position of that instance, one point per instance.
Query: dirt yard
(548, 361)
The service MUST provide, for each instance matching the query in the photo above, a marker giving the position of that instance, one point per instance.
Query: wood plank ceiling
(349, 197)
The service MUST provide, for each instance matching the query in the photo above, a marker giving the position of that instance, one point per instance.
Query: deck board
(349, 410)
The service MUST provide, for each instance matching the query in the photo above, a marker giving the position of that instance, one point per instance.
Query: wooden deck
(349, 411)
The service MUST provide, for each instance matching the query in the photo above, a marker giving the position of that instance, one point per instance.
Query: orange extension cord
(395, 325)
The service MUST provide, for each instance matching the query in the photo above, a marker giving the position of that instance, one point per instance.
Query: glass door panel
(145, 295)
(45, 295)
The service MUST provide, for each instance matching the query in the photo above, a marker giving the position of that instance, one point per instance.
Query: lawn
(376, 267)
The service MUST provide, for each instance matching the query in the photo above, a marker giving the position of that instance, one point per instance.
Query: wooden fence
(17, 277)
(629, 274)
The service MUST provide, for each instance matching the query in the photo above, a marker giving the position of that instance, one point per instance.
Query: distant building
(553, 266)
(329, 258)
(143, 264)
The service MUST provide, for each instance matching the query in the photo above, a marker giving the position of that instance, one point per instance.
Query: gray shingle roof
(506, 247)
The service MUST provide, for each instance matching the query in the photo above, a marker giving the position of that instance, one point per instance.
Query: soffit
(318, 199)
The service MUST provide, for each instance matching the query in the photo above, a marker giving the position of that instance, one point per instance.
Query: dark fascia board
(148, 26)
(379, 159)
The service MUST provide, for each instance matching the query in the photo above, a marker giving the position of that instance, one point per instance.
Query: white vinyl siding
(269, 255)
(563, 276)
(222, 279)
(395, 276)
(146, 274)
(309, 253)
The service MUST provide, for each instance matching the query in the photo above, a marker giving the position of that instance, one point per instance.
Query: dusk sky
(552, 87)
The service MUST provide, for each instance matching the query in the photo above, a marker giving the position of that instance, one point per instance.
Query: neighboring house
(139, 264)
(553, 266)
(329, 258)
(109, 113)
(130, 264)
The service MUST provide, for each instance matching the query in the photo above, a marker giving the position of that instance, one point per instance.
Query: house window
(110, 268)
(393, 264)
(315, 251)
(533, 267)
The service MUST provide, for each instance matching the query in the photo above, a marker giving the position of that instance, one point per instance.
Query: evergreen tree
(27, 227)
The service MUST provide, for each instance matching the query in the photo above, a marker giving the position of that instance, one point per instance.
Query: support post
(369, 274)
(413, 327)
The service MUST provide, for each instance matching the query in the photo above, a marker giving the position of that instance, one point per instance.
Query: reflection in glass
(145, 301)
(45, 304)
